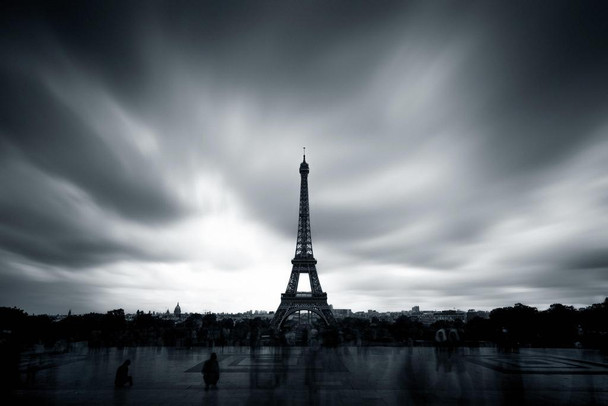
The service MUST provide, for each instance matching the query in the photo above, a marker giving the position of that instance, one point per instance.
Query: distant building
(427, 317)
(178, 311)
(416, 309)
(342, 313)
(450, 315)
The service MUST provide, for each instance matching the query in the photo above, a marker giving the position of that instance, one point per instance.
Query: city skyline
(149, 154)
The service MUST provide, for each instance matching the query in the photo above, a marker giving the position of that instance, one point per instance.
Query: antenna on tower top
(304, 148)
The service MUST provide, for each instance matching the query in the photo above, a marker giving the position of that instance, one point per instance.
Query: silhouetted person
(441, 338)
(211, 371)
(122, 375)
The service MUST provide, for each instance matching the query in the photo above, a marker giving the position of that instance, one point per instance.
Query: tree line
(508, 327)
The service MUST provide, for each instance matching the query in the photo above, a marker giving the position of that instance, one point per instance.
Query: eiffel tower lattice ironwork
(304, 262)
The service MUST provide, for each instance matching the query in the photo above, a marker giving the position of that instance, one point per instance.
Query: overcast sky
(149, 153)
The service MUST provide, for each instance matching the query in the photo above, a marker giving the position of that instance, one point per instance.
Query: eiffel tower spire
(304, 240)
(303, 262)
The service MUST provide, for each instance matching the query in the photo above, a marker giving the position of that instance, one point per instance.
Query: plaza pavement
(319, 376)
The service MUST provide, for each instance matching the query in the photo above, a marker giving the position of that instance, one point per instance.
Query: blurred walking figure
(211, 371)
(122, 375)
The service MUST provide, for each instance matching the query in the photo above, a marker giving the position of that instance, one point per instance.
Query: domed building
(178, 311)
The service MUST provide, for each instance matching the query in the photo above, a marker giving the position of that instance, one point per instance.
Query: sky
(149, 153)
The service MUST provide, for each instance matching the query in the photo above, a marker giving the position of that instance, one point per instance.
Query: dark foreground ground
(301, 376)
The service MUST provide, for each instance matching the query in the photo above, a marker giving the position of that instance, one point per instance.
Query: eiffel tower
(293, 301)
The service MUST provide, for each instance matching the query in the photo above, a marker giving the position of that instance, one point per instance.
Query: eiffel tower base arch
(294, 303)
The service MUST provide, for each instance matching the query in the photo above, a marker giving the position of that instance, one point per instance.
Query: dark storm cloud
(50, 144)
(543, 66)
(48, 296)
(45, 219)
(590, 259)
(56, 140)
(526, 94)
